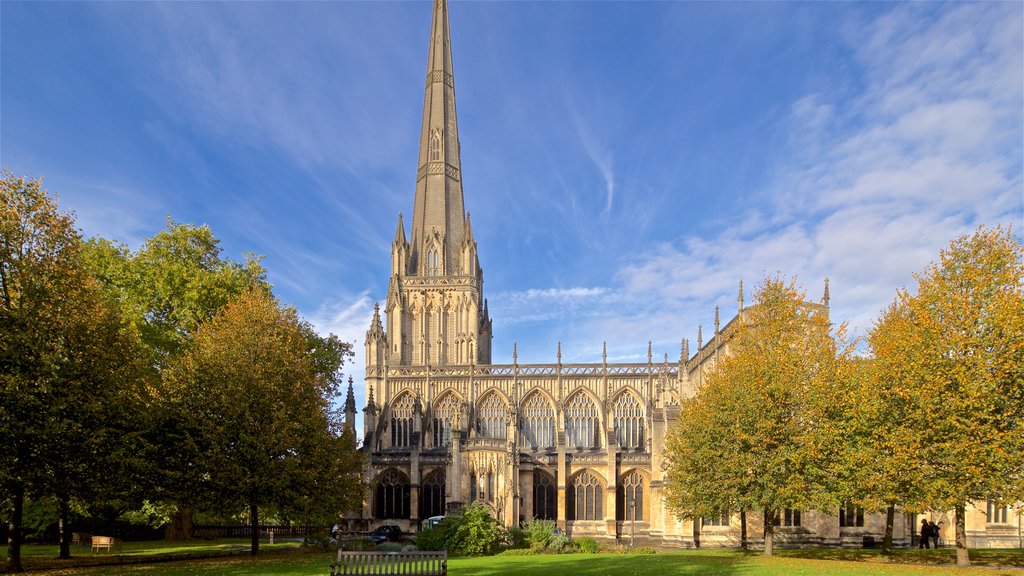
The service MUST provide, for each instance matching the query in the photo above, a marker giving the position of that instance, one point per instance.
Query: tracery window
(401, 421)
(543, 496)
(584, 497)
(490, 417)
(490, 486)
(581, 426)
(432, 501)
(433, 262)
(997, 514)
(716, 520)
(630, 497)
(536, 423)
(851, 515)
(391, 496)
(444, 415)
(629, 422)
(435, 146)
(787, 517)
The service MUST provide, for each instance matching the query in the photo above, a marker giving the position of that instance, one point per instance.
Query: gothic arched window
(629, 422)
(490, 417)
(543, 496)
(630, 497)
(536, 423)
(401, 422)
(584, 497)
(445, 412)
(581, 425)
(433, 262)
(432, 500)
(435, 146)
(391, 496)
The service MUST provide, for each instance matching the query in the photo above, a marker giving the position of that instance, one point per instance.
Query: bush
(561, 544)
(515, 537)
(390, 547)
(409, 548)
(588, 545)
(475, 532)
(642, 550)
(538, 533)
(321, 542)
(433, 538)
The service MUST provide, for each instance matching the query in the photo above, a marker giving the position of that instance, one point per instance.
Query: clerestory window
(581, 424)
(629, 422)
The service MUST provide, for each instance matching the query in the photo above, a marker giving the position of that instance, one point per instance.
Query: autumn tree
(763, 431)
(258, 384)
(175, 282)
(68, 363)
(952, 356)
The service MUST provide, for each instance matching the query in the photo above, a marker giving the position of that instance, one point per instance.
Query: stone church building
(580, 444)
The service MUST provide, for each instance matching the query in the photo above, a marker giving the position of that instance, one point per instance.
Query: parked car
(433, 521)
(385, 532)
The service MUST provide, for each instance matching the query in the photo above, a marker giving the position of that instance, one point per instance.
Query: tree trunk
(254, 523)
(180, 527)
(962, 559)
(63, 526)
(890, 517)
(743, 529)
(14, 536)
(696, 532)
(769, 533)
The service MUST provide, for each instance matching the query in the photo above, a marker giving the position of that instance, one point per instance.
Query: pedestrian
(935, 533)
(334, 531)
(926, 533)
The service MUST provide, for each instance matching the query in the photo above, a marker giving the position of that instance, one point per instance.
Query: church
(579, 444)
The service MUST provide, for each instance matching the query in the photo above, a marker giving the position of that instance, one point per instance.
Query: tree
(953, 356)
(173, 284)
(257, 384)
(764, 430)
(67, 361)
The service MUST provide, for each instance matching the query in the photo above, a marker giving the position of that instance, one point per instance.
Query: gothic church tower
(436, 313)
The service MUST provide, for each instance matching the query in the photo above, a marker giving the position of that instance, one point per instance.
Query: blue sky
(626, 164)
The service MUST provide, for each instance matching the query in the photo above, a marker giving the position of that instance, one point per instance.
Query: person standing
(935, 533)
(926, 533)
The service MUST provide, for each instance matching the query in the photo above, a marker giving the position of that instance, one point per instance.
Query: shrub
(389, 547)
(561, 544)
(409, 548)
(321, 542)
(642, 550)
(588, 545)
(475, 532)
(538, 533)
(515, 537)
(433, 538)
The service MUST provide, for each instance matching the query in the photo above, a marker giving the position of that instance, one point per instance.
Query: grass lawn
(283, 562)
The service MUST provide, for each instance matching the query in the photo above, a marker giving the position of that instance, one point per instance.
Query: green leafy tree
(258, 383)
(68, 363)
(175, 282)
(765, 429)
(951, 356)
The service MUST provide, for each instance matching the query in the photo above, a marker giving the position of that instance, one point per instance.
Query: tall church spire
(438, 214)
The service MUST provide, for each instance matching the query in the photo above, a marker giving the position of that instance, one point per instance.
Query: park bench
(391, 563)
(104, 542)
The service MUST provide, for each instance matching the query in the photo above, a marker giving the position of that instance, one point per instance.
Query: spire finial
(700, 337)
(716, 320)
(686, 349)
(604, 351)
(370, 407)
(559, 351)
(682, 350)
(649, 352)
(741, 296)
(350, 398)
(515, 352)
(826, 297)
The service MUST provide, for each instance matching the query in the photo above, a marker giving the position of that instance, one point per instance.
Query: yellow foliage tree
(952, 357)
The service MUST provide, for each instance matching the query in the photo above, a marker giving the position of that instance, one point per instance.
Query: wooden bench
(391, 563)
(104, 542)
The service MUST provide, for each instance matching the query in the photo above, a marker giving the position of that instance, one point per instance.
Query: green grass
(280, 561)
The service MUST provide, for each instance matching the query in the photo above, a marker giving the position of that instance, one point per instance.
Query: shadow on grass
(600, 565)
(943, 556)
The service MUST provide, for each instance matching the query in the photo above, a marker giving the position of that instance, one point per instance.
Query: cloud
(874, 185)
